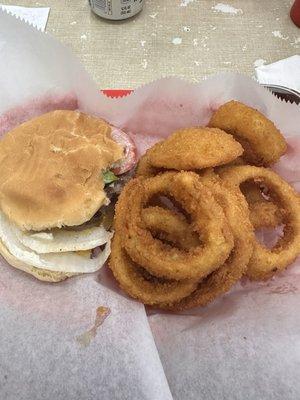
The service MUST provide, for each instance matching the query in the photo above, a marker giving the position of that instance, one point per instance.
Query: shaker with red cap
(295, 13)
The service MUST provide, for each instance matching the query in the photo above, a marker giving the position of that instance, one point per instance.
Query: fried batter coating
(140, 285)
(193, 149)
(184, 238)
(208, 221)
(133, 279)
(144, 168)
(172, 227)
(262, 142)
(263, 213)
(221, 280)
(265, 262)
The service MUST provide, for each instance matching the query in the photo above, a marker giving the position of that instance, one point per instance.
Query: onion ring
(209, 222)
(172, 227)
(134, 279)
(144, 168)
(138, 285)
(221, 280)
(193, 149)
(265, 262)
(263, 213)
(262, 142)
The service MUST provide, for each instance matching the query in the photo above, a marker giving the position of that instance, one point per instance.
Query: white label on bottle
(116, 9)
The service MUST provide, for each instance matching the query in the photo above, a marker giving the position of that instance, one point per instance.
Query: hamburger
(60, 174)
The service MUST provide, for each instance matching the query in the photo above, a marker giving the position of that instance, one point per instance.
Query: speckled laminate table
(187, 38)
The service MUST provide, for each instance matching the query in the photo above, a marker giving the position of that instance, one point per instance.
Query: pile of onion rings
(185, 225)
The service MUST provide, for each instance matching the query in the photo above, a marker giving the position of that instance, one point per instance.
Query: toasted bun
(51, 169)
(41, 274)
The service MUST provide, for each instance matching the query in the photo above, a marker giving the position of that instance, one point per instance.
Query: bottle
(116, 9)
(295, 13)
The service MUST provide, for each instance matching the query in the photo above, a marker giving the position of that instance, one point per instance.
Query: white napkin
(285, 72)
(36, 16)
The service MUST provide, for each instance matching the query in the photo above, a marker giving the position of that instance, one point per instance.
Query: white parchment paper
(36, 16)
(245, 345)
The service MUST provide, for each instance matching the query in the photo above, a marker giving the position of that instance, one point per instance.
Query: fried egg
(64, 261)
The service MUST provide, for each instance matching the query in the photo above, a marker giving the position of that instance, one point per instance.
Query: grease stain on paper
(227, 9)
(270, 287)
(283, 289)
(177, 40)
(101, 314)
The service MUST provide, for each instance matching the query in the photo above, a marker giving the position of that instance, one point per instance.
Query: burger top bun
(51, 169)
